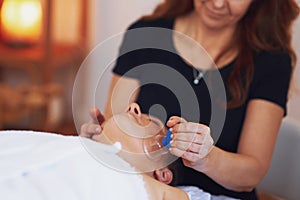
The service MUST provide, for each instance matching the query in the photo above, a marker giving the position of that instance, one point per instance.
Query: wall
(293, 104)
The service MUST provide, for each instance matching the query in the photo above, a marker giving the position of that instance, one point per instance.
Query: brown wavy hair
(252, 36)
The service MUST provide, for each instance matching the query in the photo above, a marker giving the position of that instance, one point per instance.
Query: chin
(216, 24)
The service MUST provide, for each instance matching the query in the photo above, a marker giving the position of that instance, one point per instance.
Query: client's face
(138, 133)
(131, 128)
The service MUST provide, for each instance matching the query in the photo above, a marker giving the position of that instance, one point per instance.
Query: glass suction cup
(157, 147)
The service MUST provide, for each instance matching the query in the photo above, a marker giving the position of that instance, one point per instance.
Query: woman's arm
(243, 170)
(122, 92)
(255, 149)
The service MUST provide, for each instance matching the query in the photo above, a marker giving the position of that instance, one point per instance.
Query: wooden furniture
(41, 64)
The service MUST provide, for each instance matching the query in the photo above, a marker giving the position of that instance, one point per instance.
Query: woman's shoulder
(268, 58)
(276, 61)
(160, 23)
(272, 75)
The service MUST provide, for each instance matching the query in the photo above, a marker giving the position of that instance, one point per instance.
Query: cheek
(136, 146)
(239, 11)
(125, 125)
(197, 3)
(198, 6)
(129, 143)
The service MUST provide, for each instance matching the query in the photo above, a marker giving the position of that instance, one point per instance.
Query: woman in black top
(250, 43)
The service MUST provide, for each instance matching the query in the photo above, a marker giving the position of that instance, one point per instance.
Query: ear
(164, 175)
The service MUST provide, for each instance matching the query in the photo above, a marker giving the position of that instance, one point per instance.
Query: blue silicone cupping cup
(166, 140)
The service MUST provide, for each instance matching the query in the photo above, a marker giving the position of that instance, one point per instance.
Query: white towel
(196, 193)
(37, 166)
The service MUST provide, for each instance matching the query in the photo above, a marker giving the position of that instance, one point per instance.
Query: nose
(135, 110)
(219, 3)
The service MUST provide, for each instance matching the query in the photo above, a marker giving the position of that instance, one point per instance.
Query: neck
(218, 42)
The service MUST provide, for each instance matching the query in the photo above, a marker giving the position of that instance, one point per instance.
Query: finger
(186, 146)
(191, 157)
(176, 152)
(175, 120)
(191, 127)
(97, 116)
(83, 132)
(88, 130)
(198, 138)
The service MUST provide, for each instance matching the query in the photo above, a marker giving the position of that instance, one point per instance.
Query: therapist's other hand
(93, 127)
(190, 141)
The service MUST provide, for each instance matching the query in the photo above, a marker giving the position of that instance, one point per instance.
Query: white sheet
(37, 166)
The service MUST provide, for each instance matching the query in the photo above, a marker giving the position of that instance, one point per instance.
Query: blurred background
(44, 42)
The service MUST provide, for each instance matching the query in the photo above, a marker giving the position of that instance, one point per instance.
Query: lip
(214, 15)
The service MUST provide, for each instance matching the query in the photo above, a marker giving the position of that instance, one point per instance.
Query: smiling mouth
(215, 14)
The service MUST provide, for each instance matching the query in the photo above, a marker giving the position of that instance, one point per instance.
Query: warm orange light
(21, 21)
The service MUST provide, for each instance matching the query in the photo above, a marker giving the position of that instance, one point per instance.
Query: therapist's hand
(190, 141)
(93, 127)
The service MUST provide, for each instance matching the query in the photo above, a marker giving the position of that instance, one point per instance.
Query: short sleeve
(272, 78)
(138, 46)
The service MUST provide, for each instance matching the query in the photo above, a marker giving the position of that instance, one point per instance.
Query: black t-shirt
(167, 89)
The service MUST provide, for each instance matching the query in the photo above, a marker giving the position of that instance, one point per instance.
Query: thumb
(175, 120)
(97, 116)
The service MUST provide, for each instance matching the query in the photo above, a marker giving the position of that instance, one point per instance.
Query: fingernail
(171, 129)
(98, 129)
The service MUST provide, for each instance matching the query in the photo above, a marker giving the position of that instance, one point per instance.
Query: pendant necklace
(198, 75)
